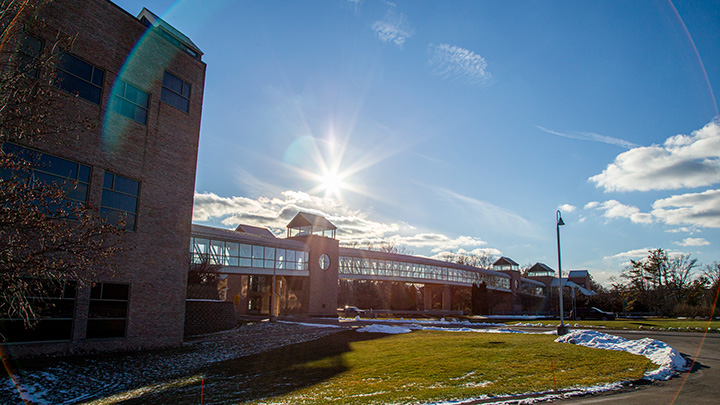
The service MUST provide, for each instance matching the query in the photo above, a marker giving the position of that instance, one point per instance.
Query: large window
(176, 92)
(71, 177)
(245, 255)
(389, 268)
(56, 308)
(120, 200)
(130, 101)
(79, 77)
(107, 312)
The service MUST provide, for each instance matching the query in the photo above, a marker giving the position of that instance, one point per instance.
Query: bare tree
(46, 238)
(480, 260)
(388, 247)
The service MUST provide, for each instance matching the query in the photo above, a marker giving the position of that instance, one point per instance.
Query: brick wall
(206, 316)
(160, 155)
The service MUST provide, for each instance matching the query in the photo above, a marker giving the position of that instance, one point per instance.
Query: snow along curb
(669, 360)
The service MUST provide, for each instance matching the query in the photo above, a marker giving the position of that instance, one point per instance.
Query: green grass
(684, 325)
(428, 366)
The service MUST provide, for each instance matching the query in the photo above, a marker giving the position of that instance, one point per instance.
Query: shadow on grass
(276, 372)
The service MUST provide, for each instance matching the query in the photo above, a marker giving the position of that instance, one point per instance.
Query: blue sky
(464, 125)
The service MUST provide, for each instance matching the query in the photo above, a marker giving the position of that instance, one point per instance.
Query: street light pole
(562, 329)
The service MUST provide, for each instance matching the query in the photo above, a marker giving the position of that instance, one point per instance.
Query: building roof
(540, 268)
(156, 21)
(255, 230)
(568, 283)
(578, 274)
(228, 235)
(505, 261)
(305, 219)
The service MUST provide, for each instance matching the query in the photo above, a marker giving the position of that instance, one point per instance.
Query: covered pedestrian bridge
(307, 266)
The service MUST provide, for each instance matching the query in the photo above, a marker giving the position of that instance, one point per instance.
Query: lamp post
(562, 329)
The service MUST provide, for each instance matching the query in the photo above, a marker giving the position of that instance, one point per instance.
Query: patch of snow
(535, 397)
(393, 330)
(669, 360)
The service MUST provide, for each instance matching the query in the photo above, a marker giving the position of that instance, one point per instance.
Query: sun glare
(332, 183)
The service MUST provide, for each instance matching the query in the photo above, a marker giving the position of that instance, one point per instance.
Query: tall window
(28, 55)
(79, 77)
(71, 177)
(119, 199)
(130, 101)
(107, 312)
(56, 309)
(176, 92)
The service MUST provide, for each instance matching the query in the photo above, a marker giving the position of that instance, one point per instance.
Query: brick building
(140, 83)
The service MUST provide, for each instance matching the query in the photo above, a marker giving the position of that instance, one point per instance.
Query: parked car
(591, 313)
(351, 311)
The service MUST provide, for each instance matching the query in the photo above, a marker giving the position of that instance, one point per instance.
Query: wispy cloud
(693, 242)
(453, 62)
(682, 161)
(489, 214)
(589, 136)
(394, 28)
(354, 227)
(567, 208)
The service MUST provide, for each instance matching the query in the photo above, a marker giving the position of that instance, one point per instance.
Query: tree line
(663, 284)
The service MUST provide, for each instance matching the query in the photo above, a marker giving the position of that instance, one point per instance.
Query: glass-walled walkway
(362, 264)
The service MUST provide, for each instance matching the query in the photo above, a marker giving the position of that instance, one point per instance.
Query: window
(56, 306)
(71, 177)
(28, 55)
(130, 101)
(176, 92)
(79, 77)
(119, 200)
(107, 312)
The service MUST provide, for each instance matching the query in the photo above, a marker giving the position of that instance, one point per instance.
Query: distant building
(140, 83)
(580, 277)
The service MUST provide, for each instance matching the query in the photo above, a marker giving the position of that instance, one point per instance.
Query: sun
(332, 183)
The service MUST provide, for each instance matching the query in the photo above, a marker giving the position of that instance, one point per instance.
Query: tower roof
(305, 219)
(505, 261)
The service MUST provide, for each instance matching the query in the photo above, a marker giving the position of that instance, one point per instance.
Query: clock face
(324, 261)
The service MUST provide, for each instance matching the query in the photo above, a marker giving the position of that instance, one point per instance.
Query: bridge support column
(427, 297)
(446, 298)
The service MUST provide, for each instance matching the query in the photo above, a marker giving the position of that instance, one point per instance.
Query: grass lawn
(684, 325)
(428, 366)
(363, 368)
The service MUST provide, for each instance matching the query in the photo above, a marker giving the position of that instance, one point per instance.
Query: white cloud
(453, 62)
(589, 136)
(683, 229)
(394, 28)
(682, 161)
(693, 242)
(354, 227)
(631, 254)
(699, 209)
(615, 209)
(567, 208)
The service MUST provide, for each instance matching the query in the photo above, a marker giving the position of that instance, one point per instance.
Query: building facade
(299, 274)
(139, 83)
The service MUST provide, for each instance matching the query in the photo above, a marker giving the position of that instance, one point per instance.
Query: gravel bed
(86, 379)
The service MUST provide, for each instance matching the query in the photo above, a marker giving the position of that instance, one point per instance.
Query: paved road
(699, 386)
